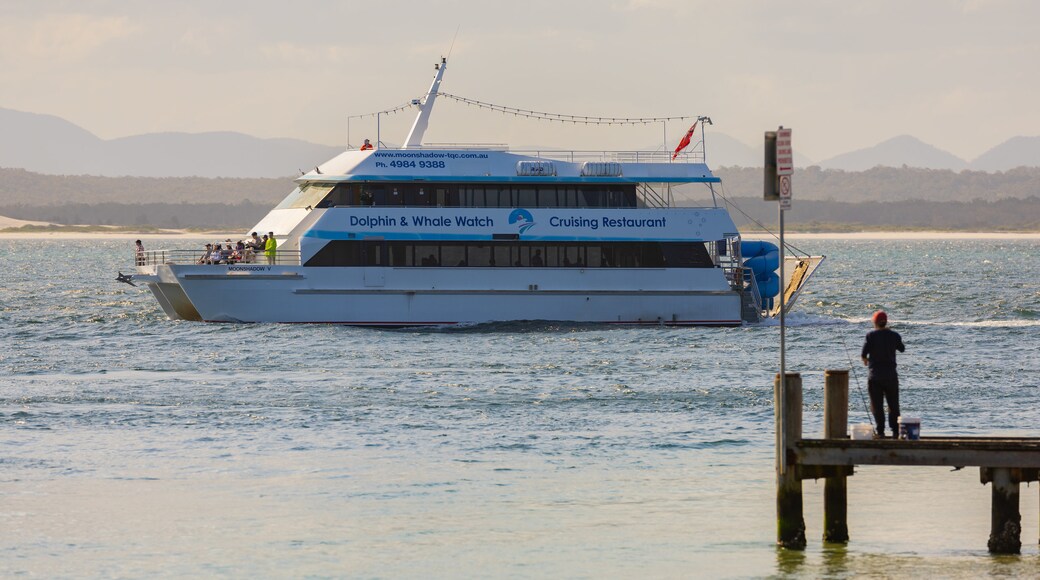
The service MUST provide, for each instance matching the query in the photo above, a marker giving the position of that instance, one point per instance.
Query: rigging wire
(758, 223)
(563, 118)
(397, 109)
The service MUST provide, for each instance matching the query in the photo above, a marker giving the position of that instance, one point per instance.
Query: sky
(961, 75)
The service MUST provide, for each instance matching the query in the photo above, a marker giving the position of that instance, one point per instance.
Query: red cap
(880, 318)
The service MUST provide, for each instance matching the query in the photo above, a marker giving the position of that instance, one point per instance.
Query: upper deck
(489, 165)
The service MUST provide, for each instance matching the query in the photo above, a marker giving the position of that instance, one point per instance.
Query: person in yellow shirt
(270, 248)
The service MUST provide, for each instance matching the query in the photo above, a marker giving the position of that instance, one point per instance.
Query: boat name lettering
(606, 222)
(446, 222)
(249, 268)
(373, 222)
(422, 221)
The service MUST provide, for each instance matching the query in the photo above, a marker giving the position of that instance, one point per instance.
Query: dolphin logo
(523, 218)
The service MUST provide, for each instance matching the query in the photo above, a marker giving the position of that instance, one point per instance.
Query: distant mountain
(896, 152)
(1015, 152)
(48, 144)
(51, 145)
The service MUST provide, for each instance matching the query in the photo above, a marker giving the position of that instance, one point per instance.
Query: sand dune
(6, 222)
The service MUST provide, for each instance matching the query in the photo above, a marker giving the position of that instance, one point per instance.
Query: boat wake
(802, 319)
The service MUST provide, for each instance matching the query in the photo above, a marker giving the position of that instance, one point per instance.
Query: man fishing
(879, 354)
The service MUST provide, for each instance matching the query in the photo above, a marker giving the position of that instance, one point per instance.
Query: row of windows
(513, 254)
(321, 195)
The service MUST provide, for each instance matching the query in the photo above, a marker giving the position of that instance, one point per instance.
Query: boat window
(568, 196)
(593, 197)
(372, 194)
(526, 197)
(395, 195)
(306, 195)
(399, 255)
(479, 256)
(428, 255)
(403, 254)
(454, 255)
(472, 196)
(341, 194)
(499, 196)
(322, 195)
(418, 197)
(547, 196)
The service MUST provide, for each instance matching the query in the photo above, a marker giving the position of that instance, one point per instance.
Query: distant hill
(891, 184)
(1015, 152)
(48, 144)
(896, 152)
(26, 188)
(51, 145)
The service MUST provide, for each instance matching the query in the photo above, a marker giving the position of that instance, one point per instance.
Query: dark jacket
(880, 351)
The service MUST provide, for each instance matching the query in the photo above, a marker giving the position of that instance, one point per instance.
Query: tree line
(891, 184)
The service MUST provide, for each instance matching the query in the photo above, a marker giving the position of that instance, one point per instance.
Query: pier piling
(1005, 532)
(1005, 462)
(835, 422)
(790, 523)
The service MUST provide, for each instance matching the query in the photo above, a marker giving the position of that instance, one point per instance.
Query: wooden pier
(1004, 463)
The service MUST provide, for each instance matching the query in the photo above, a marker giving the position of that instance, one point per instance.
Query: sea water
(132, 445)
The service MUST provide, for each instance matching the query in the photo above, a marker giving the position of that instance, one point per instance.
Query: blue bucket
(910, 428)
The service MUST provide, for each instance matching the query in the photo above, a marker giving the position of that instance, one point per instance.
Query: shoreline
(878, 235)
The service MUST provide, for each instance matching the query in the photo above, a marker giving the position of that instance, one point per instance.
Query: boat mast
(422, 120)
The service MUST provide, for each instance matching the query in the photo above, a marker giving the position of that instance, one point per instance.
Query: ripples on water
(525, 449)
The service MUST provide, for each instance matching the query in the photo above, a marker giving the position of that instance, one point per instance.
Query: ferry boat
(435, 235)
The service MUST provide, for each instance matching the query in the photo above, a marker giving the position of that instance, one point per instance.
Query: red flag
(685, 141)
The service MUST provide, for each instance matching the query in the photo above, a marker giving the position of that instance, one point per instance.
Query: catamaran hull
(435, 296)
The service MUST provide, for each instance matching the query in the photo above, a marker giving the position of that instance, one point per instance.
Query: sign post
(779, 167)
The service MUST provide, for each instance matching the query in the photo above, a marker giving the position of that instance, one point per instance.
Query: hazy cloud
(845, 75)
(60, 38)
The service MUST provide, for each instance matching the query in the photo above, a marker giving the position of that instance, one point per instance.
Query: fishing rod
(859, 388)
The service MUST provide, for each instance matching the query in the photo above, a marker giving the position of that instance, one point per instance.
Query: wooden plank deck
(1012, 452)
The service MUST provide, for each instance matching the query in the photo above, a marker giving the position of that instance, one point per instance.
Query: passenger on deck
(208, 256)
(255, 243)
(536, 259)
(271, 248)
(367, 145)
(139, 247)
(225, 254)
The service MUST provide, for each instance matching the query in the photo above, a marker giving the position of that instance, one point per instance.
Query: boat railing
(615, 156)
(650, 196)
(157, 257)
(752, 285)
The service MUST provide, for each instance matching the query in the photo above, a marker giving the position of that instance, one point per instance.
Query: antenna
(422, 120)
(452, 47)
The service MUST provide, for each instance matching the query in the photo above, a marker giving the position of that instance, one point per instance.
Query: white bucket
(910, 428)
(861, 431)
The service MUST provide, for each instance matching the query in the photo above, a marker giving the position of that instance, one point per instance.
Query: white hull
(445, 296)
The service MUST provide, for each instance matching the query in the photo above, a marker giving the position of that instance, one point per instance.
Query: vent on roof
(535, 168)
(601, 169)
